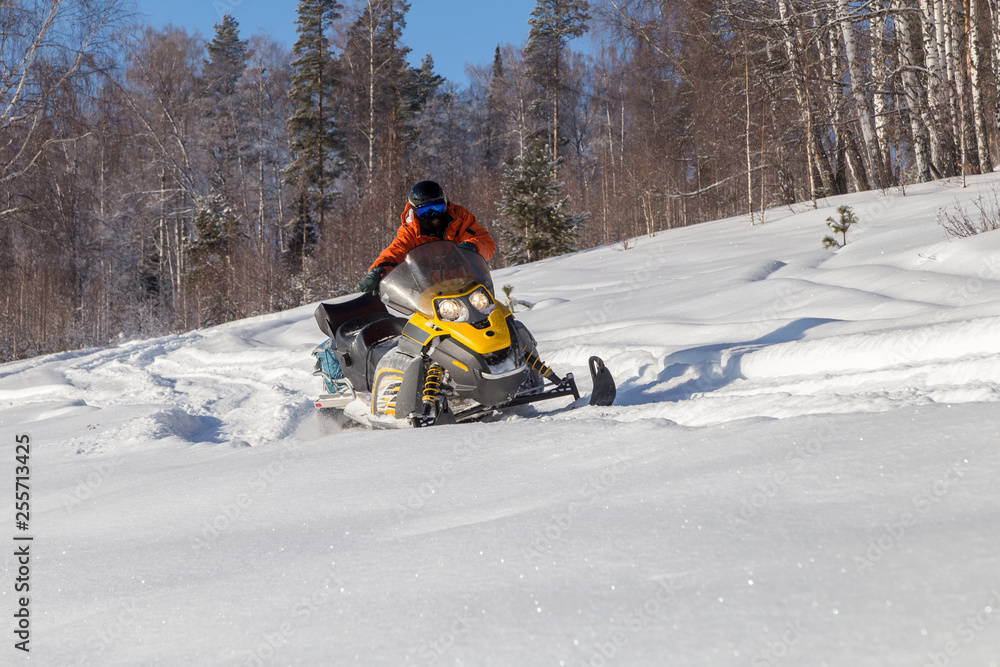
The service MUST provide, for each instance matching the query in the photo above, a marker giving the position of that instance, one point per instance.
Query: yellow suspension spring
(432, 385)
(537, 364)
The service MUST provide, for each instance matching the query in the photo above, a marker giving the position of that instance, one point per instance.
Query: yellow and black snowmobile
(455, 355)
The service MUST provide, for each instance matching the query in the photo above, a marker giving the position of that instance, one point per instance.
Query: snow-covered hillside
(800, 469)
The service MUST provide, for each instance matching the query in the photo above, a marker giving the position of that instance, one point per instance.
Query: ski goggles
(430, 209)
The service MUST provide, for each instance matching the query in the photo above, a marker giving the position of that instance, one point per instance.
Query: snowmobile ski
(605, 390)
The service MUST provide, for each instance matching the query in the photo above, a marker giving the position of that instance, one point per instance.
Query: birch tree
(978, 56)
(913, 90)
(941, 121)
(873, 152)
(44, 46)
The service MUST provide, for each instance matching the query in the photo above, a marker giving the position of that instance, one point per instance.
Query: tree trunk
(872, 152)
(815, 153)
(958, 73)
(880, 96)
(977, 53)
(940, 122)
(913, 92)
(371, 101)
(832, 55)
(555, 115)
(746, 63)
(994, 24)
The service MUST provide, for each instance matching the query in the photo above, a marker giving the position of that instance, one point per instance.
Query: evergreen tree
(553, 23)
(420, 121)
(227, 58)
(839, 225)
(496, 113)
(536, 218)
(210, 257)
(214, 225)
(312, 128)
(222, 69)
(423, 85)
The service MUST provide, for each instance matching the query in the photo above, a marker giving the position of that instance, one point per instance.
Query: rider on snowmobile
(428, 216)
(434, 365)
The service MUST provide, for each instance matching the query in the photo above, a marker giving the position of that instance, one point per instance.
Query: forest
(154, 181)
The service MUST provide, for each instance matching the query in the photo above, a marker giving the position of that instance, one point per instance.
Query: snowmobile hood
(431, 270)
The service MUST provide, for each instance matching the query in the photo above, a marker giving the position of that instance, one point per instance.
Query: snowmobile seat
(349, 331)
(330, 316)
(363, 341)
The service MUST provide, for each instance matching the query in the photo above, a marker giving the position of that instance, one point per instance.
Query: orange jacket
(463, 227)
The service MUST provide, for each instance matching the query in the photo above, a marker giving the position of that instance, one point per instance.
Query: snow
(800, 469)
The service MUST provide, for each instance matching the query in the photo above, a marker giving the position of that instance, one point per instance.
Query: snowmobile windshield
(439, 268)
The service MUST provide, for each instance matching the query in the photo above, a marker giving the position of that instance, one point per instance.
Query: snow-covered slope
(801, 469)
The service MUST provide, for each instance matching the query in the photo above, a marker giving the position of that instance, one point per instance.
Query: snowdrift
(800, 469)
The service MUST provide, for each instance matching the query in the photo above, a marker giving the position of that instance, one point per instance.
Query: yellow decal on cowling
(386, 404)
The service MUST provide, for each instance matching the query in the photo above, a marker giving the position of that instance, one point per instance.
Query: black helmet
(426, 192)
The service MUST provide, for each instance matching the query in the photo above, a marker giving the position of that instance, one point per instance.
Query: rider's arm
(471, 231)
(395, 253)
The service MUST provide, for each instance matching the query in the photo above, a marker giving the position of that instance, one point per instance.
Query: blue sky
(454, 32)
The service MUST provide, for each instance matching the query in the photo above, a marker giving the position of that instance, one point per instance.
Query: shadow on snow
(708, 368)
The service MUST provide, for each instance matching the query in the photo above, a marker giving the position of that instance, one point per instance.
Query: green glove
(468, 245)
(371, 280)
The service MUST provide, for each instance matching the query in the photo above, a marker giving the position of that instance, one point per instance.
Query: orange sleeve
(472, 231)
(395, 253)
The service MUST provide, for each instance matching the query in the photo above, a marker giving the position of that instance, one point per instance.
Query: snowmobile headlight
(452, 310)
(481, 301)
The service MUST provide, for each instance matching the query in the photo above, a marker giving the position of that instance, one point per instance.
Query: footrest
(334, 400)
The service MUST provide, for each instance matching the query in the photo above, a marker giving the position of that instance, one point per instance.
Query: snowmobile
(456, 354)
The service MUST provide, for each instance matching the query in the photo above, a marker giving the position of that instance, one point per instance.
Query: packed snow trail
(800, 469)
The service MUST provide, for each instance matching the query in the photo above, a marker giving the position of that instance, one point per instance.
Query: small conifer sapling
(839, 226)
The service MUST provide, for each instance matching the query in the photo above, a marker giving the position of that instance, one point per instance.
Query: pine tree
(214, 225)
(536, 220)
(424, 84)
(419, 122)
(210, 258)
(312, 128)
(227, 58)
(839, 225)
(553, 23)
(496, 113)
